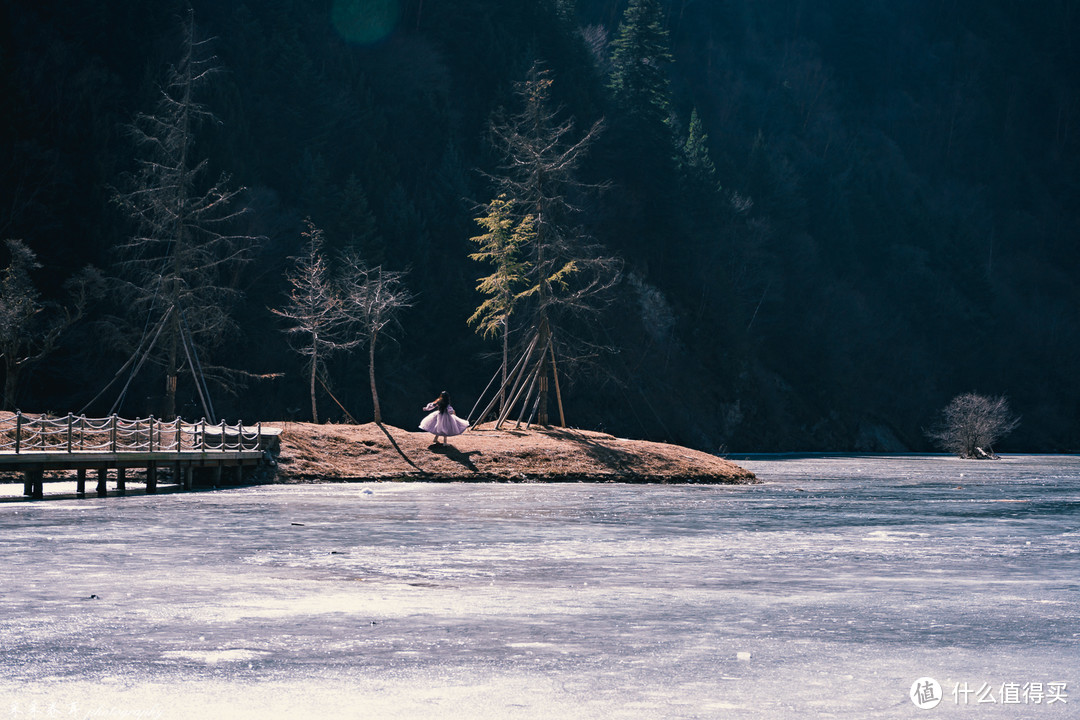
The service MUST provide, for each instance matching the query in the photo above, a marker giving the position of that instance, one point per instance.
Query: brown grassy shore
(314, 453)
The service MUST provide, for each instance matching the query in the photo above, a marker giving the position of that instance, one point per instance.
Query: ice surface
(824, 592)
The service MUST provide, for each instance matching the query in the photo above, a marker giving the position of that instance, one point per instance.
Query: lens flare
(365, 21)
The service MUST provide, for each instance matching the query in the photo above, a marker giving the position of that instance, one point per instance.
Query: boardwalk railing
(79, 434)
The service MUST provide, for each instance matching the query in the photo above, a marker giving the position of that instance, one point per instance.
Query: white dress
(445, 423)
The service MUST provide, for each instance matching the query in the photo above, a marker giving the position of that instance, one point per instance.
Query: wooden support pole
(28, 483)
(80, 483)
(37, 491)
(511, 378)
(217, 474)
(151, 478)
(187, 476)
(177, 474)
(121, 481)
(525, 401)
(102, 476)
(532, 415)
(558, 392)
(516, 393)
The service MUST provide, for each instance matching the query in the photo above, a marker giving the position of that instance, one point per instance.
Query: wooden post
(28, 483)
(187, 477)
(558, 392)
(18, 431)
(151, 477)
(217, 474)
(177, 474)
(70, 423)
(121, 484)
(80, 484)
(112, 437)
(39, 484)
(102, 476)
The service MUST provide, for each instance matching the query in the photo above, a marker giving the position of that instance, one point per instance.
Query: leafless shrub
(970, 425)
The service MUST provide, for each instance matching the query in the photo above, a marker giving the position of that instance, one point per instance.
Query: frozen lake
(826, 591)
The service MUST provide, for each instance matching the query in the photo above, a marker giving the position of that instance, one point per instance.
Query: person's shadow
(456, 455)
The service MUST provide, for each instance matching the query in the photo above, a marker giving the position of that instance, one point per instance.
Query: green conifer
(639, 81)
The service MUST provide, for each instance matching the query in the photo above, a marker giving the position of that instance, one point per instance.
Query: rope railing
(21, 433)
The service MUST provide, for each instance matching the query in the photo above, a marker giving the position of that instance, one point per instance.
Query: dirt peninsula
(319, 453)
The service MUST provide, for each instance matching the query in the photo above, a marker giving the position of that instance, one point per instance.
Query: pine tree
(641, 148)
(179, 266)
(567, 270)
(356, 223)
(501, 247)
(696, 150)
(705, 210)
(639, 81)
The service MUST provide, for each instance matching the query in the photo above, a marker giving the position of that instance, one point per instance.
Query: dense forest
(829, 217)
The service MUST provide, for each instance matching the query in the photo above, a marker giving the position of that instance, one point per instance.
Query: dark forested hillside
(832, 217)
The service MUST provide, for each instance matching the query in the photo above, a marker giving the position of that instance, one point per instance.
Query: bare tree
(373, 298)
(318, 323)
(567, 269)
(179, 267)
(30, 328)
(970, 425)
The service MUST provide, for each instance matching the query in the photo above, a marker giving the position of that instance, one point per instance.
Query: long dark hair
(443, 401)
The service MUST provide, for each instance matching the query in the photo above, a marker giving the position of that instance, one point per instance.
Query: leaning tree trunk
(505, 360)
(314, 366)
(542, 400)
(172, 369)
(371, 378)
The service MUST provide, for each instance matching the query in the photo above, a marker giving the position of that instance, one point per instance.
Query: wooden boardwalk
(174, 451)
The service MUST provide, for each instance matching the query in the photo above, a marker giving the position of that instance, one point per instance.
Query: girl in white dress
(443, 421)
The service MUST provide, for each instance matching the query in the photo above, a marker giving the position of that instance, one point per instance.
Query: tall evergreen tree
(639, 59)
(179, 265)
(695, 151)
(567, 270)
(641, 148)
(501, 247)
(356, 222)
